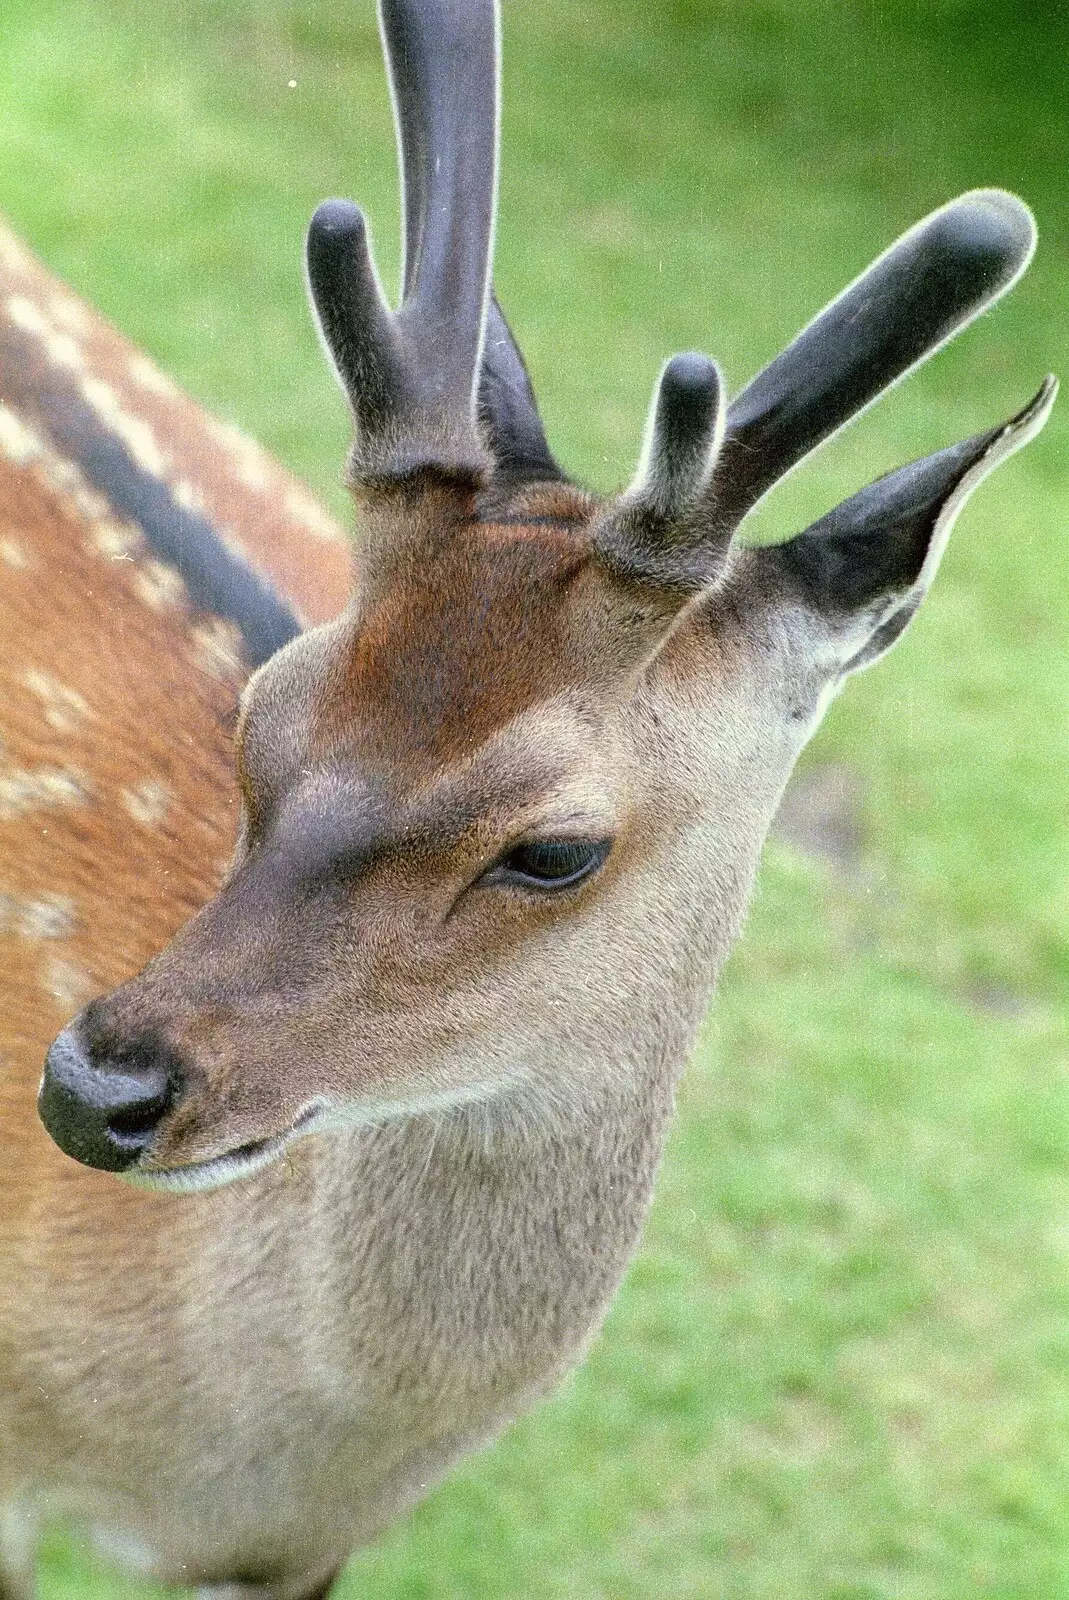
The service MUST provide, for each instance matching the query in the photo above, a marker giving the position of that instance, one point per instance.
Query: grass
(840, 1365)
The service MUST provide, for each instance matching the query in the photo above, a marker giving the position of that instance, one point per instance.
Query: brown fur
(460, 634)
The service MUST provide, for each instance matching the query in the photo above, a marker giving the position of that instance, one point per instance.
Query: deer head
(500, 818)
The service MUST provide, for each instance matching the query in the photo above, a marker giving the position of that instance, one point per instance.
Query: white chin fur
(319, 1117)
(240, 1163)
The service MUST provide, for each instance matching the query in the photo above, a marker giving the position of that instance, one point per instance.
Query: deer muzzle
(105, 1113)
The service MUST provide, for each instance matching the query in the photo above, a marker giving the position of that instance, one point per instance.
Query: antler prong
(508, 409)
(647, 533)
(930, 284)
(880, 549)
(683, 437)
(354, 322)
(411, 376)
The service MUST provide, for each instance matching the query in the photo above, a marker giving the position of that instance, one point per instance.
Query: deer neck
(463, 1260)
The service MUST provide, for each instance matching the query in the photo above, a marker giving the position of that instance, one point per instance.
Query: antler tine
(931, 283)
(509, 410)
(648, 534)
(411, 377)
(927, 286)
(443, 57)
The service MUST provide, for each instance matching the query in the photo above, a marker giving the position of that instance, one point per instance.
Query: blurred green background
(840, 1365)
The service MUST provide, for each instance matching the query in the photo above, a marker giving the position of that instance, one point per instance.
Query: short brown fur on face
(466, 627)
(387, 761)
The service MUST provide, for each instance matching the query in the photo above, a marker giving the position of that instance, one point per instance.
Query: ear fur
(862, 571)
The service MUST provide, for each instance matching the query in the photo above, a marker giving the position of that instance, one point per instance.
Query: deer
(363, 913)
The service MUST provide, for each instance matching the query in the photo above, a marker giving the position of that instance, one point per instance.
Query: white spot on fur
(62, 473)
(253, 474)
(135, 432)
(188, 496)
(18, 442)
(149, 376)
(50, 916)
(13, 554)
(25, 315)
(64, 707)
(70, 314)
(159, 586)
(250, 462)
(141, 442)
(217, 647)
(62, 350)
(117, 541)
(224, 432)
(59, 347)
(12, 253)
(68, 985)
(230, 541)
(307, 511)
(102, 397)
(147, 802)
(24, 789)
(93, 506)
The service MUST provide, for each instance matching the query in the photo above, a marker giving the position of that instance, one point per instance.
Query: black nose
(103, 1115)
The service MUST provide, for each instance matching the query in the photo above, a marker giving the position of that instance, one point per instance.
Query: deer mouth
(241, 1162)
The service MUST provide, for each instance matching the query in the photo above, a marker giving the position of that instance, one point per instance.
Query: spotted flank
(46, 916)
(63, 707)
(24, 789)
(60, 414)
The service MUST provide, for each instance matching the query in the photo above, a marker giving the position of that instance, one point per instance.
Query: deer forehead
(456, 643)
(452, 634)
(398, 725)
(552, 769)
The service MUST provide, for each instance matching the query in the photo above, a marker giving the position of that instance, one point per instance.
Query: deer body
(390, 1103)
(117, 815)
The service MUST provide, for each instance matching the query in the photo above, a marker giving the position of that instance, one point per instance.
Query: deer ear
(861, 572)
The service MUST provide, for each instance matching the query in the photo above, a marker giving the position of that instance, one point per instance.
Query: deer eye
(551, 863)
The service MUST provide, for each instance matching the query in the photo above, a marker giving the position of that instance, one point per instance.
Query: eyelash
(550, 864)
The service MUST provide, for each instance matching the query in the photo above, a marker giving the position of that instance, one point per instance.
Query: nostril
(134, 1121)
(102, 1114)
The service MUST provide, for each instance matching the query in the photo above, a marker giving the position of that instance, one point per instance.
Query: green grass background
(840, 1365)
